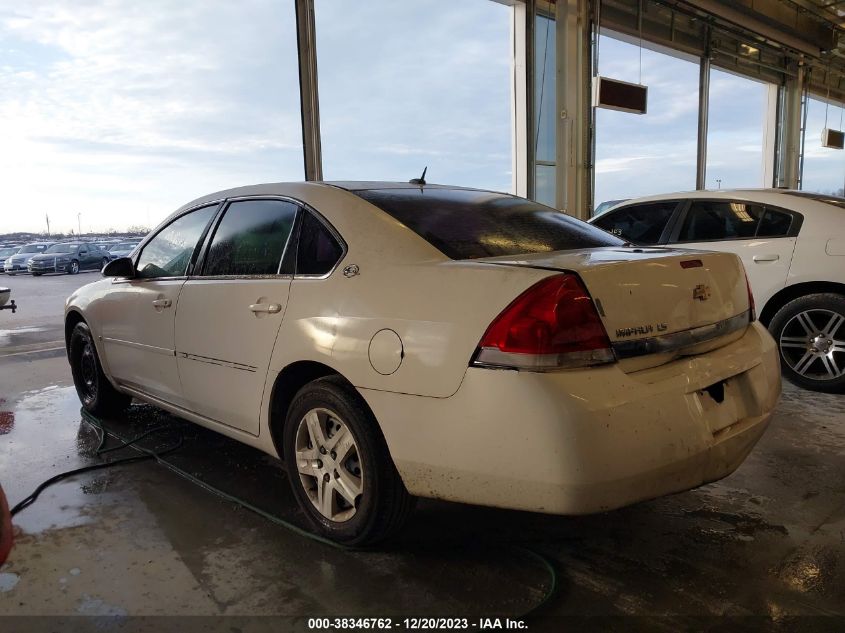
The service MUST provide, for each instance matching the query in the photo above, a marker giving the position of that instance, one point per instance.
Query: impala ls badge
(701, 292)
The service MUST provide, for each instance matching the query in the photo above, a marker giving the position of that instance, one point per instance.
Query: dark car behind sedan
(69, 257)
(122, 249)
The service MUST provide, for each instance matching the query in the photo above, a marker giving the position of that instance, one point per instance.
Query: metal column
(703, 115)
(790, 137)
(309, 101)
(573, 114)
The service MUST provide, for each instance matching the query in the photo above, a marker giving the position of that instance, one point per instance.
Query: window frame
(683, 211)
(292, 241)
(667, 230)
(344, 249)
(208, 238)
(194, 255)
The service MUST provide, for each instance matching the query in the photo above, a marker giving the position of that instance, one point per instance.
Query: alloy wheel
(74, 268)
(329, 464)
(813, 344)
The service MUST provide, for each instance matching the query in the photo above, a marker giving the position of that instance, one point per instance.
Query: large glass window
(414, 83)
(114, 114)
(545, 89)
(639, 155)
(735, 131)
(169, 252)
(251, 238)
(824, 168)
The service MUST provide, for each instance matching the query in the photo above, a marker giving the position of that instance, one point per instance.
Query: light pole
(79, 222)
(719, 182)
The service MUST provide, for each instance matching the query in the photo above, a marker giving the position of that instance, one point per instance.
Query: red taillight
(552, 325)
(752, 308)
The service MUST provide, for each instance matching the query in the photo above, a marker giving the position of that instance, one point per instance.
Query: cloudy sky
(114, 112)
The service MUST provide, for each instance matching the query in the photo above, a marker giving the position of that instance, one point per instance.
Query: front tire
(96, 393)
(339, 466)
(73, 267)
(810, 333)
(37, 274)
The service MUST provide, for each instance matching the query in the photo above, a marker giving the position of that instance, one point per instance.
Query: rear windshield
(465, 224)
(819, 197)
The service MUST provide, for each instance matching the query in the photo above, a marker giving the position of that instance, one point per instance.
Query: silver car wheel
(813, 344)
(329, 464)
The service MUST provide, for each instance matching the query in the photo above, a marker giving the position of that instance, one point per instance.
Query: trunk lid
(656, 302)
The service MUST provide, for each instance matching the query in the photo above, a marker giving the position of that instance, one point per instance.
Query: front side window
(318, 249)
(639, 223)
(720, 220)
(251, 238)
(169, 252)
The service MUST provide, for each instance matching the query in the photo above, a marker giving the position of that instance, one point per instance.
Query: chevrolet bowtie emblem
(701, 292)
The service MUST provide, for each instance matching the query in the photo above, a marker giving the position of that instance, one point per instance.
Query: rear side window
(467, 224)
(774, 224)
(169, 252)
(251, 238)
(639, 223)
(720, 220)
(318, 251)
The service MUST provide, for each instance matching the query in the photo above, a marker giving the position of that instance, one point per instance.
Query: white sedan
(793, 246)
(393, 340)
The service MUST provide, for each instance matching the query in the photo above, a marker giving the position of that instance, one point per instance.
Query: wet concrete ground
(764, 547)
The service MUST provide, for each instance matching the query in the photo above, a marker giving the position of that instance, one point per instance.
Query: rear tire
(327, 421)
(96, 393)
(73, 267)
(810, 333)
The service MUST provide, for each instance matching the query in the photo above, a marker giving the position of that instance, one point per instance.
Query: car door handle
(272, 308)
(766, 258)
(162, 303)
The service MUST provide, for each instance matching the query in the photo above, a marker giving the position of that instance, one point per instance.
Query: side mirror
(120, 267)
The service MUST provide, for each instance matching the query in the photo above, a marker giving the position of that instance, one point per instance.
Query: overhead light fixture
(747, 49)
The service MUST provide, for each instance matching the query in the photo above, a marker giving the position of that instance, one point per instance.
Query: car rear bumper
(576, 442)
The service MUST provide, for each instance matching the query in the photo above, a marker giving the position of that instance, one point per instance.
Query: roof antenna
(421, 180)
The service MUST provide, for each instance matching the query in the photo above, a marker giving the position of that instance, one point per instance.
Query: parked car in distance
(18, 262)
(793, 246)
(388, 340)
(8, 251)
(68, 257)
(122, 249)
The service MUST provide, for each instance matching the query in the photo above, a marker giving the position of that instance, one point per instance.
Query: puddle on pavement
(7, 336)
(215, 538)
(42, 438)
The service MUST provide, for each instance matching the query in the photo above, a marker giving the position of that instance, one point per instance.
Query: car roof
(747, 193)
